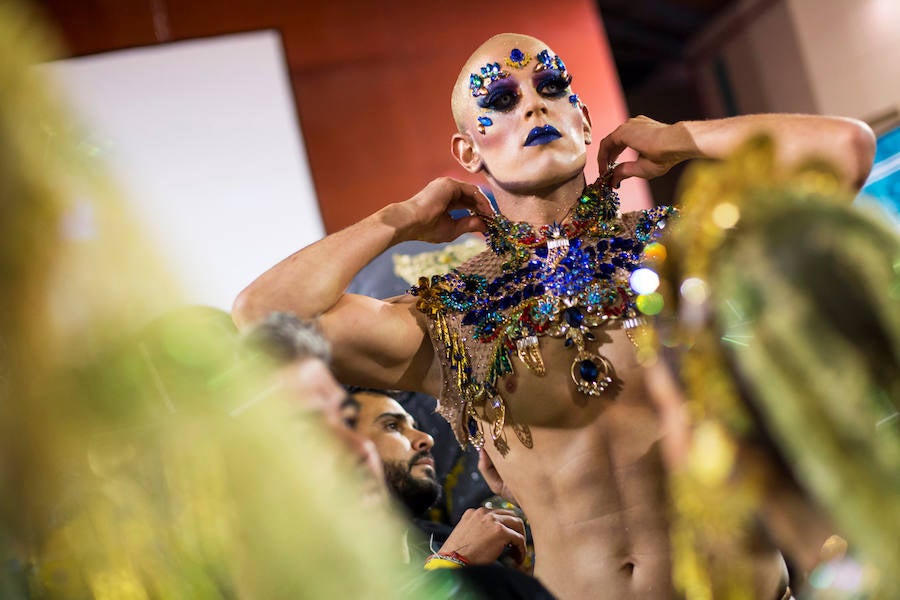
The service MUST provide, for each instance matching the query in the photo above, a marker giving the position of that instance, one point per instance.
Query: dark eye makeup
(500, 97)
(554, 85)
(504, 97)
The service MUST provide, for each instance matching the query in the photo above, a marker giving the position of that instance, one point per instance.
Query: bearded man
(482, 534)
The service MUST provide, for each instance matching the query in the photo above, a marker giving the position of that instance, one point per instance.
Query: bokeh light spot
(644, 281)
(655, 252)
(650, 304)
(694, 290)
(726, 215)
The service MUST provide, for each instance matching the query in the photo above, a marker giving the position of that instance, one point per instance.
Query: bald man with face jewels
(528, 345)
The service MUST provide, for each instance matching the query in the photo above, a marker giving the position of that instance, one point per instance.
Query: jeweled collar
(562, 281)
(597, 206)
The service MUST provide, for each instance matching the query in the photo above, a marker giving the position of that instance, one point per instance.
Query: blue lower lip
(543, 138)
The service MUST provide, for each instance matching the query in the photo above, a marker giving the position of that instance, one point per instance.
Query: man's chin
(422, 494)
(415, 487)
(544, 177)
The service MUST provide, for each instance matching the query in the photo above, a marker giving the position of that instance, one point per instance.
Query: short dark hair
(283, 338)
(359, 389)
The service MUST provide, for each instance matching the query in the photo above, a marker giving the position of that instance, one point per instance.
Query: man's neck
(540, 207)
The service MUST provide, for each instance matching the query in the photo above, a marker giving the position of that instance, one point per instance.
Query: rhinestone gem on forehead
(517, 59)
(545, 61)
(490, 73)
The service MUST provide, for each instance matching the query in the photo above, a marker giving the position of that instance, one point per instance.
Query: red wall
(371, 79)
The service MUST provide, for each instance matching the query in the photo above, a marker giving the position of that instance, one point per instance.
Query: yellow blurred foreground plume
(122, 472)
(783, 303)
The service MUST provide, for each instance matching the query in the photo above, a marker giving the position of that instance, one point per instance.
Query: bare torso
(590, 476)
(592, 485)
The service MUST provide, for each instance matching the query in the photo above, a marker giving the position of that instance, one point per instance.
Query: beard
(417, 494)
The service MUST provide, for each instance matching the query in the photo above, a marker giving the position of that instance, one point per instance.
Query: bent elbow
(245, 309)
(861, 142)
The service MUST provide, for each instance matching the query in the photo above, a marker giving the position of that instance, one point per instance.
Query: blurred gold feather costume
(122, 474)
(785, 301)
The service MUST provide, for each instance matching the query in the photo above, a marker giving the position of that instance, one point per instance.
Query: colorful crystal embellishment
(545, 61)
(490, 73)
(517, 59)
(484, 122)
(561, 280)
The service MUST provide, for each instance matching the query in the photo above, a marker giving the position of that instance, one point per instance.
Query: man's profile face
(405, 451)
(521, 118)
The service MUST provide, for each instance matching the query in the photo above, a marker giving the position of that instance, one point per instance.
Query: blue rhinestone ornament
(592, 373)
(545, 61)
(517, 59)
(490, 73)
(652, 222)
(575, 101)
(484, 122)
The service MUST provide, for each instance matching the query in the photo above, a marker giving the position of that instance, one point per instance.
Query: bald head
(519, 123)
(495, 49)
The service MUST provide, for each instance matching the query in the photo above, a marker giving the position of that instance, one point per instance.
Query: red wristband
(454, 557)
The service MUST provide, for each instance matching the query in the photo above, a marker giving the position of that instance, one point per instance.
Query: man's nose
(535, 104)
(421, 440)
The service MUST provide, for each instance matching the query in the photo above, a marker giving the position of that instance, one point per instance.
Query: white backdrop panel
(203, 138)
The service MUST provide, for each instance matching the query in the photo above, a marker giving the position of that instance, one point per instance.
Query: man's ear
(586, 122)
(465, 153)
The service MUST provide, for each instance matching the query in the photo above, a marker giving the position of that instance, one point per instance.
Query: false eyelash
(489, 101)
(561, 80)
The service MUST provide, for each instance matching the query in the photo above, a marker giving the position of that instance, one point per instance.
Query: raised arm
(848, 144)
(378, 343)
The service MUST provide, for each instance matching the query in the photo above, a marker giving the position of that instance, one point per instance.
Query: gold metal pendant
(523, 432)
(528, 350)
(501, 446)
(473, 427)
(637, 330)
(592, 373)
(498, 406)
(643, 337)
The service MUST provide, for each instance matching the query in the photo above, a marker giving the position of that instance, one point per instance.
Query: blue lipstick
(542, 135)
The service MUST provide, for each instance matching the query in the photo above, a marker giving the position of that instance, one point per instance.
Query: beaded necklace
(562, 280)
(596, 207)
